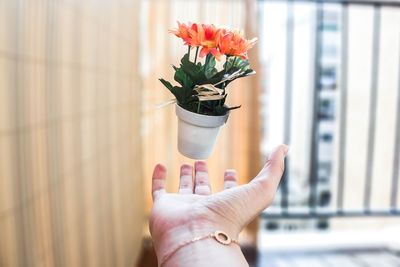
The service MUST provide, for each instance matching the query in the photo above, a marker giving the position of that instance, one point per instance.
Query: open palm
(195, 211)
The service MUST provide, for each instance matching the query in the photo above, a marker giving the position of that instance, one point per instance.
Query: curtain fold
(71, 183)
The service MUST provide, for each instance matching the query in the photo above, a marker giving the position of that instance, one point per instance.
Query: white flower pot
(197, 133)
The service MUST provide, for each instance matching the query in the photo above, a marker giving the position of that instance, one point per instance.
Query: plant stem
(226, 61)
(223, 84)
(234, 61)
(223, 93)
(195, 57)
(189, 51)
(198, 108)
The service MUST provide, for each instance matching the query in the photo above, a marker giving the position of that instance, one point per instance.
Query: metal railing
(312, 208)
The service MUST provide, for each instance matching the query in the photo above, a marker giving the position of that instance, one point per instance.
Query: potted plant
(201, 94)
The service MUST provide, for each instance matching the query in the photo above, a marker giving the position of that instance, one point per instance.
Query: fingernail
(200, 166)
(285, 149)
(186, 169)
(160, 167)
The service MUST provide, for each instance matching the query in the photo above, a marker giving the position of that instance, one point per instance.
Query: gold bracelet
(218, 235)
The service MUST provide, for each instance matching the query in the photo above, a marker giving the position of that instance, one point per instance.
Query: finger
(158, 181)
(230, 179)
(186, 180)
(201, 182)
(259, 193)
(271, 173)
(265, 184)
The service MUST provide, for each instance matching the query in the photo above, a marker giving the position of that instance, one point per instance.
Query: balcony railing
(315, 206)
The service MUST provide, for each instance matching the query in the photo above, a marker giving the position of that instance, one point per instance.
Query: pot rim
(201, 120)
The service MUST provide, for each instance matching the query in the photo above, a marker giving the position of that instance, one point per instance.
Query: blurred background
(80, 131)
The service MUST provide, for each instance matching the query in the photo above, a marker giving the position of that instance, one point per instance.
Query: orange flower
(232, 43)
(188, 33)
(196, 35)
(208, 37)
(183, 32)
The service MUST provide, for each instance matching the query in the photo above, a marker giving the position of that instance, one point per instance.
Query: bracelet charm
(222, 237)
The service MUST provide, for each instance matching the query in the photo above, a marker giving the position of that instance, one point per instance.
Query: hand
(194, 212)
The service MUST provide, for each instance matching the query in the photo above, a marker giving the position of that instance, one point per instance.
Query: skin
(194, 211)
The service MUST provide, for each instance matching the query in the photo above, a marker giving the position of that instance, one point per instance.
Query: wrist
(177, 243)
(172, 237)
(206, 252)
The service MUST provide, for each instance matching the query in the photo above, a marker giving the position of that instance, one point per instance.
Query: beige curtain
(238, 143)
(70, 152)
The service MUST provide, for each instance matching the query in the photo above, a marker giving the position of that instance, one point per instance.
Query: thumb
(248, 200)
(254, 197)
(275, 165)
(267, 181)
(264, 186)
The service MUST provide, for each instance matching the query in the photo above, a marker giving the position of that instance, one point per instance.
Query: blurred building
(304, 85)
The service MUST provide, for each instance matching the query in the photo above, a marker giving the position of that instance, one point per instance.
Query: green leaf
(182, 78)
(175, 90)
(220, 110)
(195, 72)
(217, 77)
(209, 66)
(244, 74)
(166, 84)
(236, 63)
(235, 107)
(178, 93)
